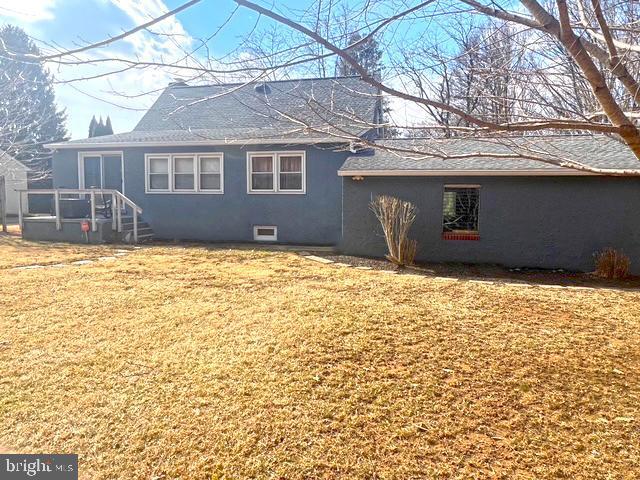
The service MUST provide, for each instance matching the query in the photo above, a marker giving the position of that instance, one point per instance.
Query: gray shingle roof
(595, 151)
(238, 113)
(347, 102)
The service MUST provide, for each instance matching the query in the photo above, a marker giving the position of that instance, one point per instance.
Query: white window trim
(199, 173)
(196, 173)
(265, 238)
(276, 172)
(101, 154)
(147, 173)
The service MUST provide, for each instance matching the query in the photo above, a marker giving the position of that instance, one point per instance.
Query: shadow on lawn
(463, 271)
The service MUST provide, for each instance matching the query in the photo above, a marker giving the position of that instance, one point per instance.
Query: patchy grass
(15, 252)
(197, 363)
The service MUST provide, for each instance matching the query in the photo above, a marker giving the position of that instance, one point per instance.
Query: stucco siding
(548, 222)
(309, 218)
(65, 169)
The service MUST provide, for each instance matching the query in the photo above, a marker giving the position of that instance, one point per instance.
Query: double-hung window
(158, 173)
(460, 209)
(262, 173)
(185, 173)
(210, 172)
(290, 173)
(276, 172)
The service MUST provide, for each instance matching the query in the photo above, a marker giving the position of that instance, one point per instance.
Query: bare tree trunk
(628, 131)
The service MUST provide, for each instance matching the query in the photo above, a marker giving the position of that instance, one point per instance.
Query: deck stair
(145, 232)
(109, 209)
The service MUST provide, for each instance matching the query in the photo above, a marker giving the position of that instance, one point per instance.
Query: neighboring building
(273, 162)
(15, 178)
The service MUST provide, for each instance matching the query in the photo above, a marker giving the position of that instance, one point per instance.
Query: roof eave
(193, 143)
(555, 172)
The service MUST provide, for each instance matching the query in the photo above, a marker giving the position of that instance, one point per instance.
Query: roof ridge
(479, 137)
(231, 84)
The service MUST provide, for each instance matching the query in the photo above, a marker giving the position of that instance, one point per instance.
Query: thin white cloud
(27, 11)
(174, 39)
(167, 42)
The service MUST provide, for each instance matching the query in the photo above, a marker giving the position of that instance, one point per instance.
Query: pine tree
(92, 126)
(368, 54)
(108, 129)
(100, 128)
(29, 117)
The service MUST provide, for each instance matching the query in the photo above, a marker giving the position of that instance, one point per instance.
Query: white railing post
(56, 201)
(120, 205)
(114, 218)
(119, 213)
(20, 222)
(135, 225)
(94, 224)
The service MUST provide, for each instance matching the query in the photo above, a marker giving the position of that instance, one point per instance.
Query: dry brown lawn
(198, 364)
(15, 252)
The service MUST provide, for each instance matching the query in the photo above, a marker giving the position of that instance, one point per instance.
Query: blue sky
(69, 23)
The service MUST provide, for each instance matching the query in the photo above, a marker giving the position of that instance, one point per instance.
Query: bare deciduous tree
(517, 68)
(396, 217)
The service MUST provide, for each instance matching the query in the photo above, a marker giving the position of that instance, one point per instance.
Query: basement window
(460, 208)
(263, 233)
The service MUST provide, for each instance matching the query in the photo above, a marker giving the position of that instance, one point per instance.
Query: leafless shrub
(396, 217)
(612, 264)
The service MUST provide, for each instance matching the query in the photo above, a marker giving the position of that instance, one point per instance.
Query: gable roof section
(347, 102)
(296, 111)
(595, 151)
(9, 164)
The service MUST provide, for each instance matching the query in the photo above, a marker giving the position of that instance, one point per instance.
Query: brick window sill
(460, 236)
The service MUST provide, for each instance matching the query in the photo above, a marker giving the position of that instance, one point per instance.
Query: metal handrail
(118, 203)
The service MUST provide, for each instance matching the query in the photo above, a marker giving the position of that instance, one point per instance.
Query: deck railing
(119, 203)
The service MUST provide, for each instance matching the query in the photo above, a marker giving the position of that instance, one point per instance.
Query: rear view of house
(233, 163)
(298, 162)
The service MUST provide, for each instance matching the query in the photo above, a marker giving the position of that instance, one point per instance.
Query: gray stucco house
(276, 162)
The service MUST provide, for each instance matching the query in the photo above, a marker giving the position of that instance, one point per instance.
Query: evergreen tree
(368, 54)
(29, 117)
(100, 128)
(108, 129)
(92, 127)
